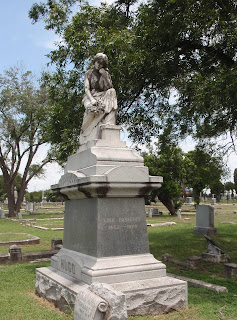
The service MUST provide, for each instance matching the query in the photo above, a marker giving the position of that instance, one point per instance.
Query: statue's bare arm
(88, 92)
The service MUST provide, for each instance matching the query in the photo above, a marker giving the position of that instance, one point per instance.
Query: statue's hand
(93, 102)
(102, 71)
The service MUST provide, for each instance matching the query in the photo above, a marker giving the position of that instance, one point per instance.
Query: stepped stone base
(150, 296)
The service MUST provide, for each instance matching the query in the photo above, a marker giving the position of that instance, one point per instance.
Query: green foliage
(23, 120)
(52, 197)
(204, 169)
(167, 161)
(164, 47)
(229, 186)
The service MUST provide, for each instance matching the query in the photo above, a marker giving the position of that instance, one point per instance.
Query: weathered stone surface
(89, 306)
(230, 270)
(15, 253)
(154, 296)
(215, 258)
(117, 309)
(194, 262)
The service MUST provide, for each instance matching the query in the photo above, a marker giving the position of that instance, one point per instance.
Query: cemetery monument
(105, 232)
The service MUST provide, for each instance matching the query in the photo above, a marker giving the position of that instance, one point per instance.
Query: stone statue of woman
(99, 100)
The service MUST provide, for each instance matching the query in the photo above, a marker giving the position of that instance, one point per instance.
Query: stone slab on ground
(152, 296)
(201, 284)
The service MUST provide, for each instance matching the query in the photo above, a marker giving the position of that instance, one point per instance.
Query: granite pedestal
(105, 232)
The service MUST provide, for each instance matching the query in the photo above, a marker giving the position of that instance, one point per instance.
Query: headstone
(205, 220)
(188, 200)
(156, 212)
(15, 253)
(179, 214)
(214, 253)
(230, 270)
(213, 201)
(2, 214)
(55, 242)
(150, 212)
(19, 214)
(105, 230)
(6, 201)
(29, 207)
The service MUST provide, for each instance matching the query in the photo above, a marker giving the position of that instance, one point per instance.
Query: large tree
(184, 48)
(167, 160)
(205, 169)
(23, 117)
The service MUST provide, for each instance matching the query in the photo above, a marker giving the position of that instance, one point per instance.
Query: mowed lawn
(17, 281)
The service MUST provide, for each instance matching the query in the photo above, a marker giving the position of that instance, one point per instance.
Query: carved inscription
(87, 306)
(68, 267)
(120, 223)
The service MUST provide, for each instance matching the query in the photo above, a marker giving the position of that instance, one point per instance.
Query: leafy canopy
(184, 48)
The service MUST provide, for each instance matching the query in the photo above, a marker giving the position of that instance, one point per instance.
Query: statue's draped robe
(106, 115)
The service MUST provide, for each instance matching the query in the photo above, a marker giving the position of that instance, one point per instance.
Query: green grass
(17, 282)
(13, 236)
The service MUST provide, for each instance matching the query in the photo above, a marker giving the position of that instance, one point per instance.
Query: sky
(28, 44)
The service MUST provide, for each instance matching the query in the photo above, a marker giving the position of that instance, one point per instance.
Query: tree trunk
(11, 201)
(168, 203)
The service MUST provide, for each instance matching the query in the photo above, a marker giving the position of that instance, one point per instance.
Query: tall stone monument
(105, 232)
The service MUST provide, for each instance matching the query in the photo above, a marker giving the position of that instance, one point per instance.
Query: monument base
(211, 232)
(143, 297)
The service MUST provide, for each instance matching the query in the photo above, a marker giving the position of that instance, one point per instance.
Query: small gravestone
(56, 243)
(29, 207)
(230, 270)
(213, 201)
(205, 220)
(150, 212)
(179, 214)
(2, 214)
(156, 212)
(214, 253)
(15, 253)
(19, 214)
(188, 200)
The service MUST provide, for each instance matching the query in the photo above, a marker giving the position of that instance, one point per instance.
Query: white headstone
(19, 214)
(179, 214)
(150, 212)
(2, 214)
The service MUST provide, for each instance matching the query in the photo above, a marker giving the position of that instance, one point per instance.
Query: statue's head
(102, 59)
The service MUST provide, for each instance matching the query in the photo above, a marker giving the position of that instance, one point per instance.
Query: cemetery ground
(17, 281)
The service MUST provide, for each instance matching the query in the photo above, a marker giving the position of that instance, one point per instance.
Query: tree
(23, 110)
(204, 169)
(165, 47)
(229, 186)
(235, 178)
(192, 46)
(106, 29)
(167, 161)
